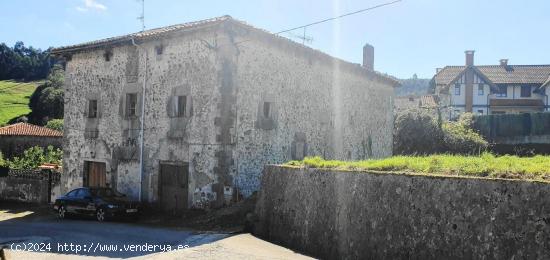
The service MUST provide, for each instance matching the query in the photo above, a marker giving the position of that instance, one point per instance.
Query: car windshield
(106, 192)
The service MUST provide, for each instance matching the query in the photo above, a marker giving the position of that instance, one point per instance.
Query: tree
(55, 124)
(47, 100)
(21, 62)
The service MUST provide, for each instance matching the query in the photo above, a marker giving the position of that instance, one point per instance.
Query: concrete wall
(15, 145)
(362, 215)
(319, 104)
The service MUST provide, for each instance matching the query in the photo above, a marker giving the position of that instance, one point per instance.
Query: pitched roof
(158, 32)
(497, 74)
(142, 35)
(25, 129)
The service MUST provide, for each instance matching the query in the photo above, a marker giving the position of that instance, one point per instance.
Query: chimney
(504, 62)
(469, 58)
(368, 57)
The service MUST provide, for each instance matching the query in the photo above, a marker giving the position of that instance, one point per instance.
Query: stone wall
(30, 186)
(366, 215)
(318, 105)
(15, 145)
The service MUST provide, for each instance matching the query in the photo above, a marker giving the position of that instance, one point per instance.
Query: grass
(14, 99)
(485, 165)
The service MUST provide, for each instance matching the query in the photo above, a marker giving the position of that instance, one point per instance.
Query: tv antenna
(305, 39)
(142, 17)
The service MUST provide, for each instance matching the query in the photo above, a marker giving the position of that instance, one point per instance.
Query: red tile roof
(25, 129)
(497, 74)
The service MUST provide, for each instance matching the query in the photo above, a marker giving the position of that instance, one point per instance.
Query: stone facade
(249, 98)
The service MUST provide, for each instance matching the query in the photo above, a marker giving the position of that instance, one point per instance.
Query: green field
(485, 165)
(14, 99)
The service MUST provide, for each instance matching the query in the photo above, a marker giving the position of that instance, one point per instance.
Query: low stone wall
(365, 215)
(32, 186)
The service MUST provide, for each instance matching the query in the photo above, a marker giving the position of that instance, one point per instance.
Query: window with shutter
(131, 104)
(181, 105)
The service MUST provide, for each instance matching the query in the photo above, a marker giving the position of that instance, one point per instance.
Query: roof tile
(25, 129)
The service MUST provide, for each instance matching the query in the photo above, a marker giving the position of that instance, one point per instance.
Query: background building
(492, 89)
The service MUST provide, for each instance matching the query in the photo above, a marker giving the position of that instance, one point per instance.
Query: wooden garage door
(173, 187)
(95, 175)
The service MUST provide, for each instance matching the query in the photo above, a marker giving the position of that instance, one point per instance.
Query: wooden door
(173, 184)
(95, 175)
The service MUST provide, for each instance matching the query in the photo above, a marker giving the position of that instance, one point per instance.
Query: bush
(34, 157)
(419, 132)
(416, 132)
(55, 124)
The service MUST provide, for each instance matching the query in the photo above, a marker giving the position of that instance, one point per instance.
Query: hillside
(413, 86)
(14, 98)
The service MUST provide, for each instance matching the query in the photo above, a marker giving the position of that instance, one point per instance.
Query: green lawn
(486, 165)
(14, 99)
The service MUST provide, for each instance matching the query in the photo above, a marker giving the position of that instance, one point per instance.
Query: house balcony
(526, 103)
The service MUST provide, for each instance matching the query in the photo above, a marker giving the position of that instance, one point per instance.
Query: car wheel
(100, 215)
(61, 212)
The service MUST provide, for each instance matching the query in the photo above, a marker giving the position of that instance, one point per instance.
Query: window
(159, 49)
(411, 98)
(525, 91)
(181, 103)
(480, 90)
(131, 104)
(480, 111)
(502, 91)
(83, 193)
(267, 109)
(72, 193)
(107, 55)
(457, 89)
(92, 108)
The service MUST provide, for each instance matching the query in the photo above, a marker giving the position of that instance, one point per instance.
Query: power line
(338, 17)
(331, 19)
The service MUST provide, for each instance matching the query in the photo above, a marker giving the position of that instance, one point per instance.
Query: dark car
(103, 203)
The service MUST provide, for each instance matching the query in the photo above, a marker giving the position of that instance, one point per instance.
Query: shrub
(55, 124)
(419, 132)
(34, 157)
(416, 132)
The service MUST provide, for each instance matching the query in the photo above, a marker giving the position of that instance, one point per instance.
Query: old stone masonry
(216, 100)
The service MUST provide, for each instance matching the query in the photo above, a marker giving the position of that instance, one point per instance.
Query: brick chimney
(368, 57)
(504, 62)
(469, 58)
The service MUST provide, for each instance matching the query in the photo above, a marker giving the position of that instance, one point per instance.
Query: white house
(492, 89)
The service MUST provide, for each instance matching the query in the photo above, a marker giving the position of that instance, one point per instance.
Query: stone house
(16, 138)
(217, 100)
(492, 89)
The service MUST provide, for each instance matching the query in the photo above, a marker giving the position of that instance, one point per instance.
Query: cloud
(91, 5)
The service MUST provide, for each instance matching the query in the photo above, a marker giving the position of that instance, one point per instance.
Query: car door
(69, 201)
(86, 202)
(82, 201)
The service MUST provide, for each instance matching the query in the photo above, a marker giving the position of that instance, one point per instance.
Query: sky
(412, 36)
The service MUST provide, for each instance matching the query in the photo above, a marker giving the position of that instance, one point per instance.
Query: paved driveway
(23, 233)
